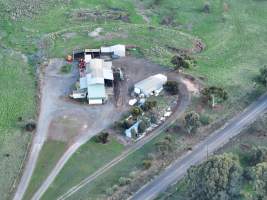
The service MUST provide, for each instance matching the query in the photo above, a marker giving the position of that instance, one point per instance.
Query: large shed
(150, 85)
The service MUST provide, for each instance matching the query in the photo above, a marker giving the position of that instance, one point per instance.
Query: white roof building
(97, 71)
(150, 85)
(118, 50)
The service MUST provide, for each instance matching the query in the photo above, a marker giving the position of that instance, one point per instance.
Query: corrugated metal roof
(96, 91)
(151, 83)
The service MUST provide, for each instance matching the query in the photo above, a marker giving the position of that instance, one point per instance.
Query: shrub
(143, 125)
(263, 75)
(136, 111)
(147, 164)
(124, 181)
(65, 69)
(206, 7)
(179, 62)
(192, 122)
(31, 126)
(204, 120)
(109, 191)
(101, 138)
(171, 87)
(148, 105)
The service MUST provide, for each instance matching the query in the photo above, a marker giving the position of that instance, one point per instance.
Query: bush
(143, 125)
(206, 7)
(124, 181)
(256, 155)
(153, 119)
(192, 122)
(101, 138)
(179, 62)
(204, 120)
(65, 69)
(148, 105)
(171, 87)
(147, 164)
(136, 111)
(109, 191)
(263, 75)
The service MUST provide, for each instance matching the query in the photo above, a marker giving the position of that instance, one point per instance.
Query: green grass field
(84, 162)
(235, 39)
(51, 152)
(17, 100)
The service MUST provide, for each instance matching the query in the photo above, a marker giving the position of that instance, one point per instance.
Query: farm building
(151, 85)
(105, 53)
(128, 132)
(97, 75)
(117, 50)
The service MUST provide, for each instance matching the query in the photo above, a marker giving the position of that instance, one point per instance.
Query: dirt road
(212, 143)
(51, 88)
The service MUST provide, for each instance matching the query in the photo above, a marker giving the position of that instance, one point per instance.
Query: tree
(256, 155)
(214, 95)
(263, 75)
(143, 125)
(259, 180)
(101, 138)
(206, 7)
(171, 87)
(217, 178)
(136, 111)
(180, 62)
(192, 122)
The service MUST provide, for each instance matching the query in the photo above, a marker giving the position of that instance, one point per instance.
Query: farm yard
(34, 33)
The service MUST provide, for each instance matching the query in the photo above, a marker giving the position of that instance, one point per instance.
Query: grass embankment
(84, 162)
(17, 106)
(50, 154)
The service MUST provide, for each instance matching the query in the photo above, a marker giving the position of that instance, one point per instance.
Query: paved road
(216, 140)
(182, 105)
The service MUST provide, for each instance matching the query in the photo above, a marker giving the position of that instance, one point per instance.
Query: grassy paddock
(90, 157)
(17, 106)
(97, 189)
(51, 152)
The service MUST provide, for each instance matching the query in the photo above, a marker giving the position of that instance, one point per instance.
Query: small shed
(118, 50)
(128, 132)
(150, 85)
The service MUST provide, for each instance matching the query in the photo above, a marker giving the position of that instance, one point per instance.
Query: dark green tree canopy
(171, 87)
(218, 178)
(192, 121)
(214, 95)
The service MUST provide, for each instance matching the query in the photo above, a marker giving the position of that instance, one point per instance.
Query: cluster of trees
(182, 61)
(222, 177)
(214, 95)
(218, 178)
